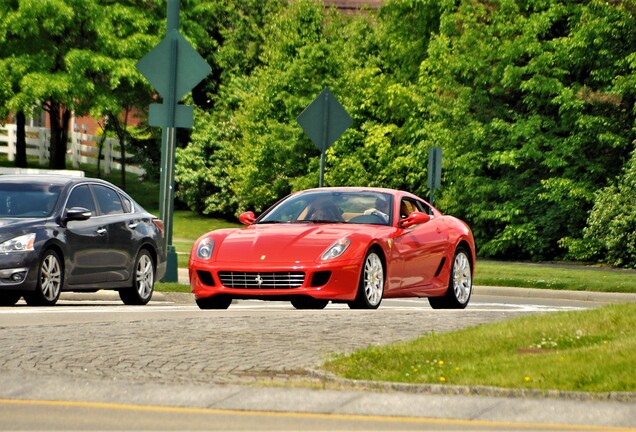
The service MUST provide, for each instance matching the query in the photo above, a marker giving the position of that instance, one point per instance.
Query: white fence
(82, 148)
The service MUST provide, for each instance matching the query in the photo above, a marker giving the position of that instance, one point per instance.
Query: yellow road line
(357, 417)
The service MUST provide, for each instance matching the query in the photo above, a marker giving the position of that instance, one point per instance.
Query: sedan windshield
(27, 200)
(361, 207)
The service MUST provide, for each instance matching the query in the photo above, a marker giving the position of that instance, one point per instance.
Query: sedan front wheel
(50, 281)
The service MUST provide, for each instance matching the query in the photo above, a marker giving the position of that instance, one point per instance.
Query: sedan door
(86, 242)
(123, 240)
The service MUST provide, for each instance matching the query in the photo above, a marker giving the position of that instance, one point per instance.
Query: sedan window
(108, 200)
(81, 197)
(25, 201)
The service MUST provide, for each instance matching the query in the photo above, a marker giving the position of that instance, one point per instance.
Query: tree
(39, 35)
(124, 34)
(521, 97)
(610, 234)
(229, 34)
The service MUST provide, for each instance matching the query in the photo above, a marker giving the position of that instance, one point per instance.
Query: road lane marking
(325, 416)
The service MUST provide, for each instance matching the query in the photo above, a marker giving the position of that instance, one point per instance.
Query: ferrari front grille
(265, 280)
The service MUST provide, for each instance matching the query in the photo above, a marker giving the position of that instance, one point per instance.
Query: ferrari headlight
(205, 248)
(18, 244)
(336, 249)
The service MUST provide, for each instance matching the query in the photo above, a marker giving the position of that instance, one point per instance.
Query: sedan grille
(275, 280)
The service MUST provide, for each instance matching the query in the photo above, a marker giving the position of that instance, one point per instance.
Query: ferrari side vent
(264, 280)
(441, 266)
(320, 278)
(205, 277)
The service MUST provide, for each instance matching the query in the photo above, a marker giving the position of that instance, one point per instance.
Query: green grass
(555, 276)
(589, 351)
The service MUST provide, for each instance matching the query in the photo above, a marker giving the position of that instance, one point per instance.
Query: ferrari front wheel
(460, 285)
(371, 286)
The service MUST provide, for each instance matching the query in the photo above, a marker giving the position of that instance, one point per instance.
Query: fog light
(17, 277)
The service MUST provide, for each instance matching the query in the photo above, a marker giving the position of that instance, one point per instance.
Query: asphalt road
(171, 366)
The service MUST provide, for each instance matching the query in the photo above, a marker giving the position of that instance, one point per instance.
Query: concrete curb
(603, 297)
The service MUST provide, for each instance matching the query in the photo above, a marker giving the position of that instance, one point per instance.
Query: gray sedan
(63, 233)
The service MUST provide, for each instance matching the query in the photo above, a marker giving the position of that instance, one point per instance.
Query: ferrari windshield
(361, 207)
(27, 200)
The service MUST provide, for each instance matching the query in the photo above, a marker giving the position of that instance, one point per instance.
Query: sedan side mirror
(247, 218)
(77, 214)
(414, 218)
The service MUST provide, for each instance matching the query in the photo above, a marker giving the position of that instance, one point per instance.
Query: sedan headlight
(205, 248)
(18, 244)
(336, 249)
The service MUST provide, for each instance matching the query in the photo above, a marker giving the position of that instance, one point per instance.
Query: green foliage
(522, 97)
(533, 103)
(611, 231)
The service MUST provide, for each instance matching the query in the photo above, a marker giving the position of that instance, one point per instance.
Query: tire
(216, 302)
(143, 283)
(9, 298)
(371, 285)
(50, 281)
(309, 303)
(460, 284)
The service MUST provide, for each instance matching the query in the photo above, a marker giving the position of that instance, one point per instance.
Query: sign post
(324, 121)
(185, 69)
(434, 171)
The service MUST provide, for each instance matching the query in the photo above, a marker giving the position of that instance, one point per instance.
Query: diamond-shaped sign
(191, 67)
(324, 120)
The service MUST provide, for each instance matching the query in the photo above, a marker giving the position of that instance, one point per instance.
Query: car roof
(57, 179)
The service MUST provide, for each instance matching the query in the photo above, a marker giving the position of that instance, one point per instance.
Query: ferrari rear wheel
(371, 286)
(216, 302)
(309, 303)
(460, 285)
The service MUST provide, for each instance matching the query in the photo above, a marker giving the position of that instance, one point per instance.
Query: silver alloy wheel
(144, 276)
(50, 278)
(373, 279)
(462, 277)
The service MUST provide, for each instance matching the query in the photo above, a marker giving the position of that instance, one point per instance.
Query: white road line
(98, 307)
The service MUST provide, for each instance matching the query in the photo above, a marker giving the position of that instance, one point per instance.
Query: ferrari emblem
(262, 257)
(259, 280)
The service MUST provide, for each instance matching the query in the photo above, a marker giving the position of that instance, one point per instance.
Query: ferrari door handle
(101, 231)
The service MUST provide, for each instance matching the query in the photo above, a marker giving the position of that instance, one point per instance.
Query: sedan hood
(283, 243)
(12, 227)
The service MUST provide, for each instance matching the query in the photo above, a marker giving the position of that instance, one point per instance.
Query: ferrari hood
(288, 243)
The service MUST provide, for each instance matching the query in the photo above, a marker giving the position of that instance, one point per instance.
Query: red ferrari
(349, 245)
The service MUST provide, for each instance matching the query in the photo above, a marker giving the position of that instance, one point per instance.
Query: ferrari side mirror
(414, 218)
(247, 218)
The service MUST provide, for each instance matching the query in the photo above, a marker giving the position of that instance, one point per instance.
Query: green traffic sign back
(324, 120)
(191, 67)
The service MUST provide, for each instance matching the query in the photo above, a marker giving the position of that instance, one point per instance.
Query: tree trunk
(20, 145)
(122, 135)
(60, 118)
